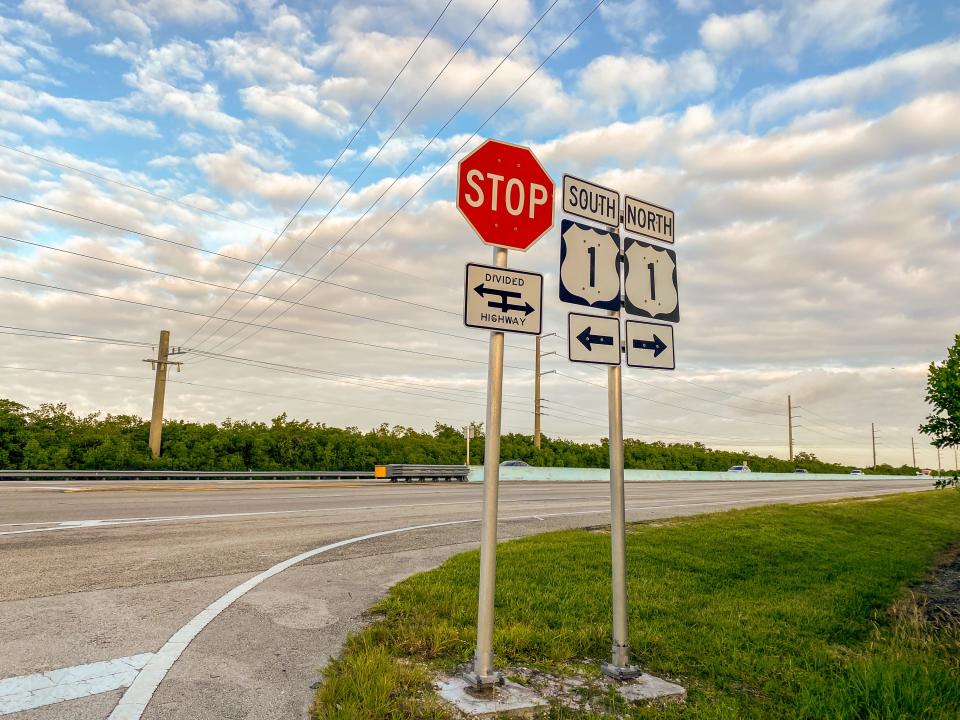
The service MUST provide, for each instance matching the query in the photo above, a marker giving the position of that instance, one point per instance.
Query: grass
(780, 612)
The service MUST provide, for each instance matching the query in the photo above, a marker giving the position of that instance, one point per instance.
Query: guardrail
(185, 475)
(566, 474)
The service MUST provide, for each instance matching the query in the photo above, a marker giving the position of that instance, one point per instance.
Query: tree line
(53, 437)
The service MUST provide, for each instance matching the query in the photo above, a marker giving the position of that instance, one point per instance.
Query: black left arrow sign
(588, 340)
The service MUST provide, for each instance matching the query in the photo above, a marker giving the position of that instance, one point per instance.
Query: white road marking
(134, 701)
(33, 691)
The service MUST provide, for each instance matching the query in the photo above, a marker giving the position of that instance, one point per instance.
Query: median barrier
(567, 474)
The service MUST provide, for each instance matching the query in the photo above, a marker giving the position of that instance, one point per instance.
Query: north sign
(591, 201)
(647, 219)
(589, 266)
(650, 281)
(505, 300)
(593, 339)
(505, 195)
(650, 345)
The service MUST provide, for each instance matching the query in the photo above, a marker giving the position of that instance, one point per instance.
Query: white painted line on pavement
(33, 691)
(134, 701)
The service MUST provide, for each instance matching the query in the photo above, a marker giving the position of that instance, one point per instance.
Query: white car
(740, 468)
(856, 471)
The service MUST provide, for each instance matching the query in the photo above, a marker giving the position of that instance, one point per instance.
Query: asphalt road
(100, 571)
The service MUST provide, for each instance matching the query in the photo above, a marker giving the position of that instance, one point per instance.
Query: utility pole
(955, 467)
(873, 439)
(913, 451)
(467, 432)
(159, 389)
(537, 399)
(790, 427)
(939, 466)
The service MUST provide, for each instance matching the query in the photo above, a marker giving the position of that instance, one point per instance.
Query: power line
(215, 253)
(251, 324)
(208, 283)
(363, 170)
(438, 169)
(327, 172)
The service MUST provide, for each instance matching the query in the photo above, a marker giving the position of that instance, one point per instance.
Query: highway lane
(112, 570)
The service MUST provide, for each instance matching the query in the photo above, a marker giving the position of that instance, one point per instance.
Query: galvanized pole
(790, 427)
(619, 666)
(536, 396)
(483, 674)
(873, 440)
(159, 390)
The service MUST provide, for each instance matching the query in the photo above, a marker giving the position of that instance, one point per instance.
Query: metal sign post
(619, 666)
(483, 674)
(506, 196)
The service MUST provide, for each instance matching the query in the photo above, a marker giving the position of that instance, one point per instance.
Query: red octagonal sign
(505, 194)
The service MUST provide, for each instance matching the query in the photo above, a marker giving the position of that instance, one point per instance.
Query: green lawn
(778, 612)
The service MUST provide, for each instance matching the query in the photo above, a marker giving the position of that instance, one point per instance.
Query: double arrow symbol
(657, 345)
(503, 305)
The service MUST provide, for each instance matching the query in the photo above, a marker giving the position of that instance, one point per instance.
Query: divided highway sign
(505, 195)
(504, 300)
(650, 281)
(647, 219)
(591, 201)
(650, 345)
(589, 266)
(593, 339)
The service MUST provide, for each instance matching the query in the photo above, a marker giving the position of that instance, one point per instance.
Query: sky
(160, 160)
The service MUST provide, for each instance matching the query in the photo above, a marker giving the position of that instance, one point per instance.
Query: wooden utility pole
(790, 427)
(873, 440)
(159, 389)
(536, 396)
(467, 432)
(939, 466)
(913, 451)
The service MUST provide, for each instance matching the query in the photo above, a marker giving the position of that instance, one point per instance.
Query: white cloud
(724, 34)
(58, 14)
(693, 7)
(297, 104)
(182, 63)
(927, 68)
(841, 24)
(799, 25)
(251, 59)
(649, 84)
(97, 115)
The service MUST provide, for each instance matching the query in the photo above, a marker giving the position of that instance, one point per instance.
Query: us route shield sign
(500, 299)
(650, 345)
(593, 339)
(589, 266)
(650, 281)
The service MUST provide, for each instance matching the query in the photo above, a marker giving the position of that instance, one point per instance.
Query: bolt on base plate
(621, 672)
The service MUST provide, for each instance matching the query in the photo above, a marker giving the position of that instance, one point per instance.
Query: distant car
(514, 463)
(856, 471)
(800, 470)
(740, 468)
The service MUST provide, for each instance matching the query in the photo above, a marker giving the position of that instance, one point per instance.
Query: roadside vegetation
(783, 612)
(52, 437)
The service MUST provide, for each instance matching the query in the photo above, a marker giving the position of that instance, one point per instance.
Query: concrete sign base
(507, 700)
(648, 688)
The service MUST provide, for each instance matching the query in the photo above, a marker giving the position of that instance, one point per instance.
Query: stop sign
(505, 194)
